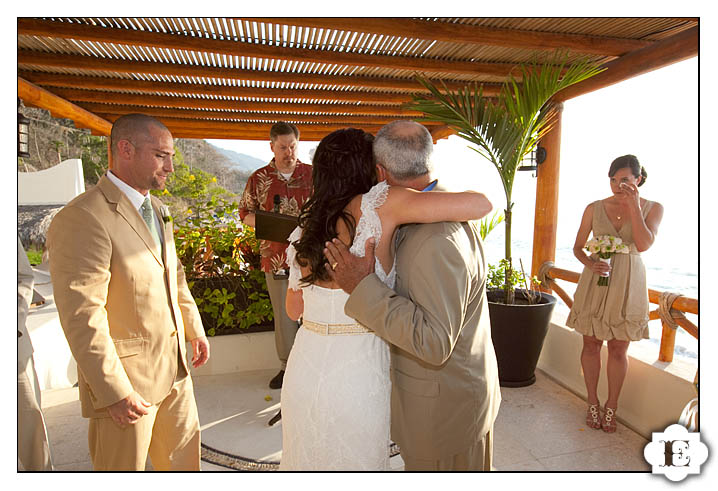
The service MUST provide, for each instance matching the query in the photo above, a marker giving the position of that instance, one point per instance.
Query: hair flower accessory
(165, 212)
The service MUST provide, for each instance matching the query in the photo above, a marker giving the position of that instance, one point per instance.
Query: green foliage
(94, 157)
(488, 224)
(497, 276)
(212, 243)
(506, 130)
(192, 183)
(217, 304)
(34, 256)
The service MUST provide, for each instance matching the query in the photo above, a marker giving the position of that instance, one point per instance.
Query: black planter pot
(518, 332)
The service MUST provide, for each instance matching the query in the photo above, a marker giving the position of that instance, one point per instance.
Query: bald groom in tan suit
(126, 310)
(445, 386)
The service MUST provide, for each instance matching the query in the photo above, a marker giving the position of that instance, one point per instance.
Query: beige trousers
(477, 458)
(33, 450)
(169, 434)
(285, 329)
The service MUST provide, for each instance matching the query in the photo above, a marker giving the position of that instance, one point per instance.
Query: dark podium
(274, 226)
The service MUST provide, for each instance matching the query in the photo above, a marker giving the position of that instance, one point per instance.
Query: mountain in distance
(243, 161)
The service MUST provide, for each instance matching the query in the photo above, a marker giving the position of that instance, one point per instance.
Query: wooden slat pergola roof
(233, 77)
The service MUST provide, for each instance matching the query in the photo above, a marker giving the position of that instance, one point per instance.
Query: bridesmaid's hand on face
(629, 194)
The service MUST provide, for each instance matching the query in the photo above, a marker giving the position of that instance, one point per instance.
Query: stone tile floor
(539, 428)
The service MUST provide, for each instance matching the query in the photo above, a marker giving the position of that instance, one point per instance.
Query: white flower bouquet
(605, 246)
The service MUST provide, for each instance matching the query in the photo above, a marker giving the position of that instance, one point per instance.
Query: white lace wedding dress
(336, 389)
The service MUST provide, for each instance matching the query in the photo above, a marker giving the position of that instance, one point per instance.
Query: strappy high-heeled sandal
(593, 417)
(609, 420)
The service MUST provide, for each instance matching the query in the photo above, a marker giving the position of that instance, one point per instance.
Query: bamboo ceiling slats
(231, 76)
(63, 61)
(475, 35)
(155, 40)
(117, 84)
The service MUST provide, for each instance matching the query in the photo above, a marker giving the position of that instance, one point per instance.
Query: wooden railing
(671, 307)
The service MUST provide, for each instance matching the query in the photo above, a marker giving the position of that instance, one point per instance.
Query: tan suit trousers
(169, 434)
(477, 458)
(33, 450)
(285, 329)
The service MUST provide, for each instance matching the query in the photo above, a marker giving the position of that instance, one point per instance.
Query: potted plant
(505, 130)
(518, 330)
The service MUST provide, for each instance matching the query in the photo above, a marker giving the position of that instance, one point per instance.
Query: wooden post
(546, 214)
(668, 343)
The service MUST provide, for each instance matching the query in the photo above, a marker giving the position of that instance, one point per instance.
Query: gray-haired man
(445, 387)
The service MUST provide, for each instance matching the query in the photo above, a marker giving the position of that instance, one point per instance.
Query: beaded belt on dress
(329, 329)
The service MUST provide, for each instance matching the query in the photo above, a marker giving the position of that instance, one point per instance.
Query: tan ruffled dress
(619, 310)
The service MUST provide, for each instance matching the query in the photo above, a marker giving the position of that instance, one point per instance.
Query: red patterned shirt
(262, 185)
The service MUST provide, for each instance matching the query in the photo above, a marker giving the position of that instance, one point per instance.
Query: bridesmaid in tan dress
(617, 313)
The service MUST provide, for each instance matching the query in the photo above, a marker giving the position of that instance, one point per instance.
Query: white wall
(238, 353)
(54, 186)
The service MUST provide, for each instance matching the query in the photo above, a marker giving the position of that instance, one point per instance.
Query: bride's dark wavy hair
(342, 168)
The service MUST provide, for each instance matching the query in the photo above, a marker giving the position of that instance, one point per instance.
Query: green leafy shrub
(221, 259)
(497, 275)
(497, 278)
(34, 256)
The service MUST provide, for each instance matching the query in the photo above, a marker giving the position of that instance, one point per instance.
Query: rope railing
(671, 310)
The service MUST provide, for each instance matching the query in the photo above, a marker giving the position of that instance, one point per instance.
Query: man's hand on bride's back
(346, 269)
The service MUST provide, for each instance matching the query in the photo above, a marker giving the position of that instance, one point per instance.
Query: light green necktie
(148, 216)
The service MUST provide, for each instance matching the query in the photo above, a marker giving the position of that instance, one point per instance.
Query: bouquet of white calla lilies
(605, 246)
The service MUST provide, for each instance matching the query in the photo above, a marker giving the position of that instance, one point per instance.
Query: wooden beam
(79, 95)
(240, 135)
(671, 50)
(110, 83)
(189, 124)
(440, 132)
(60, 108)
(546, 210)
(468, 34)
(86, 32)
(57, 60)
(99, 108)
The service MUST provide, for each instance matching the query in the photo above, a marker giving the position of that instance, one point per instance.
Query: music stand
(274, 226)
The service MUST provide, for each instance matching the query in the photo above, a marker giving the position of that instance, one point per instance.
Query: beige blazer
(25, 281)
(125, 310)
(445, 385)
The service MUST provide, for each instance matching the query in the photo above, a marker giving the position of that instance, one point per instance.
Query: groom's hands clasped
(346, 269)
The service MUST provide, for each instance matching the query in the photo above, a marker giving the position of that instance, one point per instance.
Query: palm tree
(506, 130)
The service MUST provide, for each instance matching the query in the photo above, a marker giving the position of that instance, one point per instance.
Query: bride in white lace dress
(336, 389)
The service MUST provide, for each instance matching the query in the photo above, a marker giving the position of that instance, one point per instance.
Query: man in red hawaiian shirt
(288, 182)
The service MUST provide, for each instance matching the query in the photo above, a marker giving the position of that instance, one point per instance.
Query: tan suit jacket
(445, 386)
(125, 310)
(25, 281)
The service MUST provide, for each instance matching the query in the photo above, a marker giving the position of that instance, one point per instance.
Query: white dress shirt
(136, 198)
